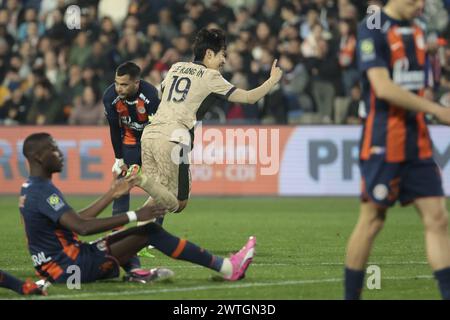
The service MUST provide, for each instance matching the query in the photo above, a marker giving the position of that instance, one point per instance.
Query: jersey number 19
(181, 87)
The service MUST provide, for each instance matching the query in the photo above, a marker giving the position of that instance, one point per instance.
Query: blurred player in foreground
(51, 227)
(396, 157)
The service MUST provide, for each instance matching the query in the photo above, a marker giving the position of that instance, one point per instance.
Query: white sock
(227, 267)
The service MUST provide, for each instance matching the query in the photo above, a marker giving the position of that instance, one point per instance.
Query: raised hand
(275, 73)
(121, 186)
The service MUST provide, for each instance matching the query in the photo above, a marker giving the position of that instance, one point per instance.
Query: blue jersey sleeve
(152, 94)
(113, 120)
(52, 204)
(108, 98)
(371, 48)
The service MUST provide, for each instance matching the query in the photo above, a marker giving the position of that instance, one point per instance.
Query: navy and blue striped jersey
(128, 118)
(390, 130)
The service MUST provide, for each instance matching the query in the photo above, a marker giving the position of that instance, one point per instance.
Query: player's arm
(384, 88)
(82, 226)
(115, 134)
(154, 96)
(118, 187)
(252, 96)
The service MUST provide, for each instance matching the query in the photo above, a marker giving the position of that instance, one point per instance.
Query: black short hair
(213, 39)
(289, 6)
(129, 68)
(33, 142)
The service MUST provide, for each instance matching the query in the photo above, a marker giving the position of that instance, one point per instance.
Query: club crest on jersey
(141, 110)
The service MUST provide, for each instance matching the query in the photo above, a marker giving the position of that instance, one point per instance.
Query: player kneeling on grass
(51, 227)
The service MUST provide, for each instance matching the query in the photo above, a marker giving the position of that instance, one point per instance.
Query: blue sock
(443, 278)
(353, 283)
(121, 204)
(133, 263)
(11, 282)
(180, 248)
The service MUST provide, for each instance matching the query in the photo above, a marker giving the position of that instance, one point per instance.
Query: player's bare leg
(370, 223)
(435, 219)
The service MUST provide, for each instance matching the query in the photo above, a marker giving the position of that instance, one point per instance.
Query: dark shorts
(131, 154)
(384, 183)
(94, 264)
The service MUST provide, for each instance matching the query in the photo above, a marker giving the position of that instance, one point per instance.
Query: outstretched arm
(252, 96)
(82, 226)
(118, 188)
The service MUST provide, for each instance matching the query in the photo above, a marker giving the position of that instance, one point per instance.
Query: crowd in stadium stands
(51, 74)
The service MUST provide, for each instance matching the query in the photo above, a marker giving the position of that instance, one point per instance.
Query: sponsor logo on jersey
(55, 202)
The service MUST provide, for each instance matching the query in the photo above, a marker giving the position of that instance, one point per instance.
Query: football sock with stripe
(353, 283)
(443, 278)
(180, 248)
(11, 282)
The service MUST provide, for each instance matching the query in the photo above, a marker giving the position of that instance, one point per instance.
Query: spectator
(221, 13)
(352, 116)
(13, 7)
(325, 77)
(294, 85)
(57, 30)
(24, 29)
(81, 50)
(53, 72)
(270, 11)
(74, 85)
(290, 16)
(183, 47)
(197, 12)
(166, 25)
(45, 107)
(108, 30)
(347, 58)
(311, 46)
(312, 19)
(15, 109)
(188, 28)
(88, 109)
(244, 21)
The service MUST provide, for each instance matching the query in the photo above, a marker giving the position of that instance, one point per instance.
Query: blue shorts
(131, 154)
(384, 183)
(94, 264)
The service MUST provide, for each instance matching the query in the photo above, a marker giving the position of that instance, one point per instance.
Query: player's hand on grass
(443, 115)
(275, 73)
(150, 211)
(121, 186)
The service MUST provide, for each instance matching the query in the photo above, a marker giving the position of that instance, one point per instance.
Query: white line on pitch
(218, 287)
(306, 264)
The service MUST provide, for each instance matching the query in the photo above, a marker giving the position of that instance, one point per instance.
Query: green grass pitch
(300, 251)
